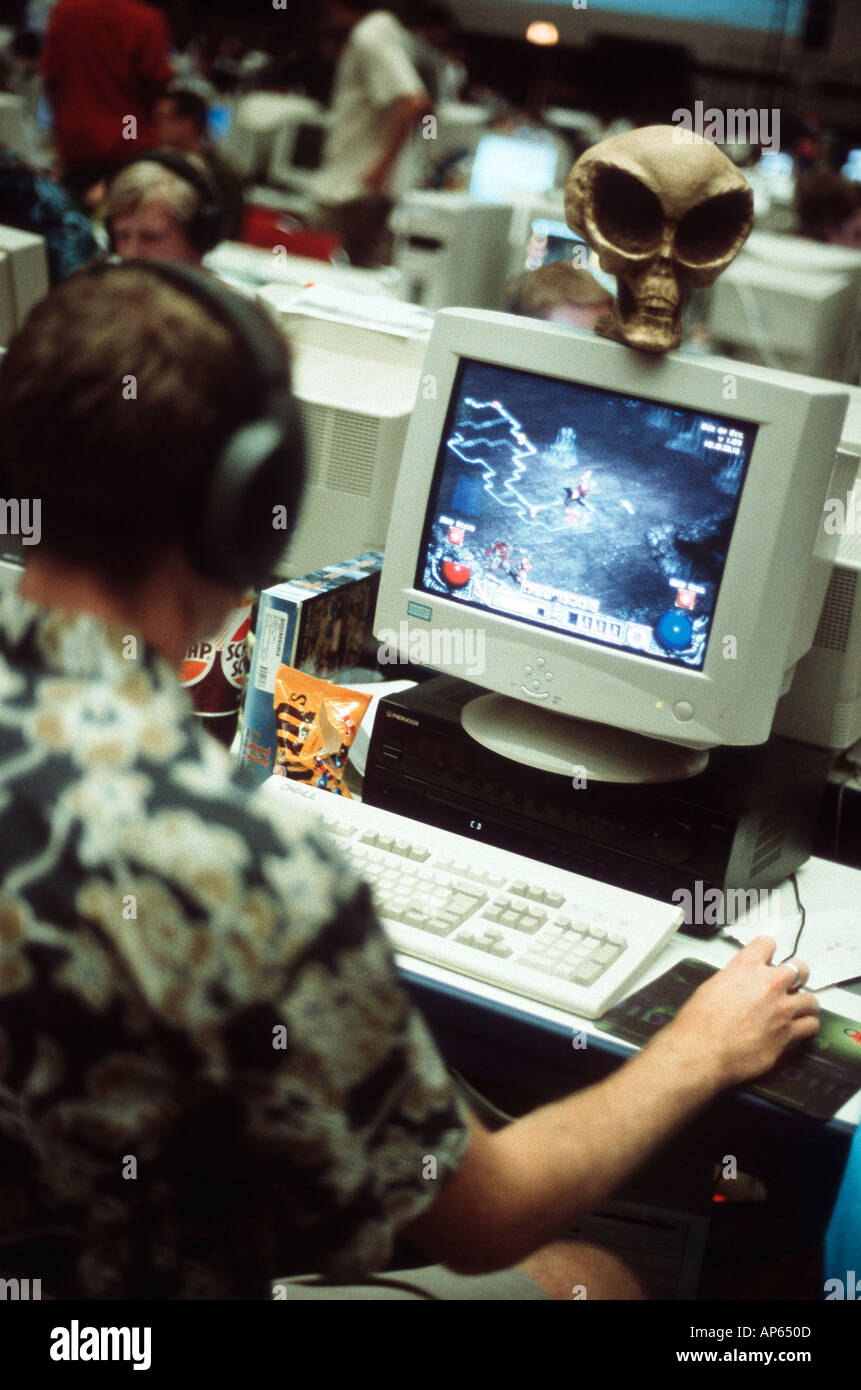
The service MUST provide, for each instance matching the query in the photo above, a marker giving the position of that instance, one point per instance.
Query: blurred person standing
(104, 62)
(378, 101)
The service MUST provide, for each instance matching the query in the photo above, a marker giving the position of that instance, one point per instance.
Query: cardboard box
(320, 623)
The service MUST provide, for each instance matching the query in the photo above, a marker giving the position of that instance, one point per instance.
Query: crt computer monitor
(297, 151)
(506, 164)
(633, 545)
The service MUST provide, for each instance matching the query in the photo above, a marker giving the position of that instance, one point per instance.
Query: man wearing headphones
(210, 1074)
(164, 206)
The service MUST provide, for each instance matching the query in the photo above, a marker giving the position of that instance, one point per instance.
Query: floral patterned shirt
(210, 1076)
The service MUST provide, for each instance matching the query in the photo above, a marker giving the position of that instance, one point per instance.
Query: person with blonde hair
(164, 206)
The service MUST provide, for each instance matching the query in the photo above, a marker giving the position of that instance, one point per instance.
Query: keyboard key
(530, 923)
(586, 972)
(465, 903)
(605, 955)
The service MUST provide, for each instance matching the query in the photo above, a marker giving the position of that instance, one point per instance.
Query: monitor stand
(575, 747)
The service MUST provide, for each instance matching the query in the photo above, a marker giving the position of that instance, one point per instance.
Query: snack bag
(317, 722)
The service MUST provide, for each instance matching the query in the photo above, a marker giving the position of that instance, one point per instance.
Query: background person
(164, 211)
(559, 293)
(829, 208)
(103, 61)
(181, 124)
(378, 101)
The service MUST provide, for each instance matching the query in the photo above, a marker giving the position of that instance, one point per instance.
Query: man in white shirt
(377, 102)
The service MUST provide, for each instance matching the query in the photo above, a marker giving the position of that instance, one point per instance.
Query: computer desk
(538, 1051)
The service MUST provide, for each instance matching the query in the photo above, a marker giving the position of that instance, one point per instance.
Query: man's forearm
(536, 1175)
(521, 1187)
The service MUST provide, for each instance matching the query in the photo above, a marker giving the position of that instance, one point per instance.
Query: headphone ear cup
(207, 227)
(253, 502)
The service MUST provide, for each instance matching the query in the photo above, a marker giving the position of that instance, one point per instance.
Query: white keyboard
(509, 921)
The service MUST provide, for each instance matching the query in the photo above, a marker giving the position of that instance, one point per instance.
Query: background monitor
(219, 119)
(792, 304)
(297, 151)
(506, 164)
(12, 131)
(552, 240)
(635, 542)
(257, 120)
(852, 168)
(23, 277)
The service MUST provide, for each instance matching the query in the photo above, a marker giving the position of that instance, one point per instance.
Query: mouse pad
(817, 1078)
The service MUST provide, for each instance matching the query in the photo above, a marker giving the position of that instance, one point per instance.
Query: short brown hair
(116, 396)
(538, 291)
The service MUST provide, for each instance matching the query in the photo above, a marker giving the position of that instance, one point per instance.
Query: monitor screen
(852, 168)
(551, 240)
(504, 165)
(308, 149)
(218, 121)
(597, 514)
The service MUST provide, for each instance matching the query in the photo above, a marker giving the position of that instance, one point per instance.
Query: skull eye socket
(627, 213)
(709, 232)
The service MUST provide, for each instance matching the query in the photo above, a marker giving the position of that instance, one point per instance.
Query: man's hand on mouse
(747, 1014)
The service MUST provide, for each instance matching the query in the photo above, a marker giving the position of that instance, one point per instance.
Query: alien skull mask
(666, 211)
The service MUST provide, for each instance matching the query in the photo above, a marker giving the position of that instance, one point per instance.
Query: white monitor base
(576, 748)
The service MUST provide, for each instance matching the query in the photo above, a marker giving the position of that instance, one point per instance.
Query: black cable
(801, 908)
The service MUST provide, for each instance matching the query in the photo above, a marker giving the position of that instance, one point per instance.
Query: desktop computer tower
(354, 393)
(450, 249)
(746, 822)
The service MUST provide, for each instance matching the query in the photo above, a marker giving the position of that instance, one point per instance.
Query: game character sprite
(498, 554)
(579, 491)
